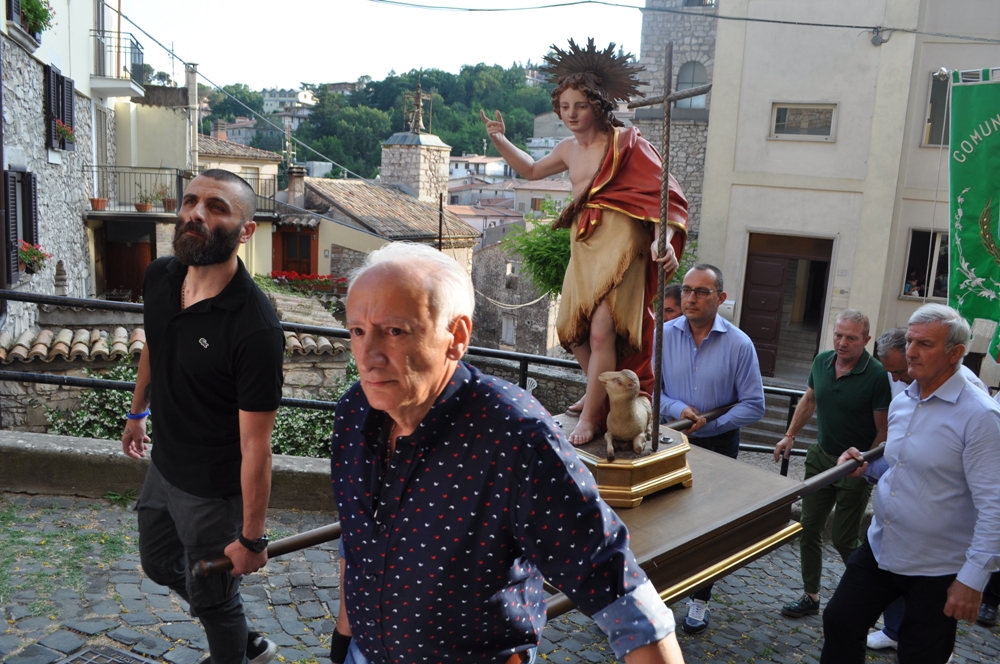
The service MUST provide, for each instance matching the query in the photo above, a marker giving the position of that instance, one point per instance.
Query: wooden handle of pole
(321, 535)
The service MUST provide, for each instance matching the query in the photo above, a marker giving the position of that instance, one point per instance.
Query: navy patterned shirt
(446, 544)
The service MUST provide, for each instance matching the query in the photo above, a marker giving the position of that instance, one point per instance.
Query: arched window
(691, 75)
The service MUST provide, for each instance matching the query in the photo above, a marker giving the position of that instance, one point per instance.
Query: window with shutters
(20, 217)
(59, 110)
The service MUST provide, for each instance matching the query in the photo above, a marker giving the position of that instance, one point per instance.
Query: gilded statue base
(625, 481)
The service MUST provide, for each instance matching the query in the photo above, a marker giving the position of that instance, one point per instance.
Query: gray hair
(854, 316)
(449, 286)
(959, 331)
(893, 339)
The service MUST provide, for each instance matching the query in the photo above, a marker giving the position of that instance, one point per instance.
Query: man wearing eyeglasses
(708, 362)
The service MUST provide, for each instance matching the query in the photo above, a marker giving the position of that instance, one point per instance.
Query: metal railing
(266, 187)
(118, 55)
(132, 188)
(524, 360)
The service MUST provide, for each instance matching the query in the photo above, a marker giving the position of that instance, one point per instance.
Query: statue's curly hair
(589, 85)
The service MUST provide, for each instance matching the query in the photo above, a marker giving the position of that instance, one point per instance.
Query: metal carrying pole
(661, 247)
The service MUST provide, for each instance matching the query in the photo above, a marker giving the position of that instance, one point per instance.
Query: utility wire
(504, 305)
(237, 100)
(874, 29)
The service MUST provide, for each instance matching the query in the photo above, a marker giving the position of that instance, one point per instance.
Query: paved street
(70, 577)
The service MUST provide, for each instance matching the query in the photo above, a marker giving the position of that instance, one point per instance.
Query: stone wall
(423, 168)
(533, 322)
(23, 404)
(557, 389)
(63, 186)
(693, 38)
(343, 260)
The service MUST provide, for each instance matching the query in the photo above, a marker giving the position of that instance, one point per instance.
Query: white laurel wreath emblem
(973, 284)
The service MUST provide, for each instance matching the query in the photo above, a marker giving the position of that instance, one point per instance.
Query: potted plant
(163, 193)
(98, 204)
(32, 257)
(64, 132)
(144, 199)
(36, 17)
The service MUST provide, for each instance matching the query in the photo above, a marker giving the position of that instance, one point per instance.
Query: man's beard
(212, 248)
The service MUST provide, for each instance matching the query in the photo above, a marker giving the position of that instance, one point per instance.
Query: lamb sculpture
(631, 416)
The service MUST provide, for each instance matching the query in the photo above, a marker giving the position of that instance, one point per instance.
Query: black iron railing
(118, 55)
(524, 360)
(266, 187)
(135, 188)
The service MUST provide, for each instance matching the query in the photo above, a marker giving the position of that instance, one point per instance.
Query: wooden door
(297, 254)
(763, 296)
(125, 266)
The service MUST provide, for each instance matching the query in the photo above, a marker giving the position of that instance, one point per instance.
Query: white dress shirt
(937, 503)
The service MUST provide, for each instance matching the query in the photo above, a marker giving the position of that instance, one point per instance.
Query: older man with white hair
(457, 493)
(935, 536)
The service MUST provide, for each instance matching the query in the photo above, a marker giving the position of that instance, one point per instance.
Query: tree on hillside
(349, 135)
(224, 107)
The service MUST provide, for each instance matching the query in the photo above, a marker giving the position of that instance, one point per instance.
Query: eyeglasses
(699, 293)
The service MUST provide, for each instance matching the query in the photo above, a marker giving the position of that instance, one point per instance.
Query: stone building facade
(63, 185)
(509, 313)
(693, 38)
(418, 161)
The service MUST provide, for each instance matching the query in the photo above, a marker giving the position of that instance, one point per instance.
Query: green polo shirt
(844, 406)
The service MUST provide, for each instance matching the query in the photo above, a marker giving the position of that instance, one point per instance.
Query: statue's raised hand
(494, 128)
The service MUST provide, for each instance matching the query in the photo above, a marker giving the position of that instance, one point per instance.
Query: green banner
(974, 278)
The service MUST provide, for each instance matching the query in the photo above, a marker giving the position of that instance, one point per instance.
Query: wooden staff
(313, 537)
(661, 248)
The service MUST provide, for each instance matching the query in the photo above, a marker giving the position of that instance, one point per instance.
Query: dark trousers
(991, 594)
(177, 529)
(926, 636)
(725, 443)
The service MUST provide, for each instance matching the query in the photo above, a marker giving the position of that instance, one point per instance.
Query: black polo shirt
(207, 363)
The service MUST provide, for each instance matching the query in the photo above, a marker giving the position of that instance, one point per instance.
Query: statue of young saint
(605, 316)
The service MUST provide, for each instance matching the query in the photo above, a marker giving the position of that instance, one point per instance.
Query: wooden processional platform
(693, 533)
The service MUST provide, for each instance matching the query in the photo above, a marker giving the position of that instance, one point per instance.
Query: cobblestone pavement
(70, 576)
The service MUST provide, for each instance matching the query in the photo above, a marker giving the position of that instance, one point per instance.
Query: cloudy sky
(280, 44)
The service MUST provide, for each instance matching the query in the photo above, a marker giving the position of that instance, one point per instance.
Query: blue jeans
(354, 655)
(177, 529)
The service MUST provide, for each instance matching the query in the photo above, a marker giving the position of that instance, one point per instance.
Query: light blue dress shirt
(723, 370)
(937, 503)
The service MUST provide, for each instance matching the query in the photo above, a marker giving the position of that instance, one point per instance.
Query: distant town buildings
(277, 99)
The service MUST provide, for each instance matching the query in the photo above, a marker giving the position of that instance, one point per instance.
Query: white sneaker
(880, 641)
(697, 617)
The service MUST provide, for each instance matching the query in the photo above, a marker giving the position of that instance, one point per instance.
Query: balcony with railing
(118, 189)
(135, 189)
(118, 65)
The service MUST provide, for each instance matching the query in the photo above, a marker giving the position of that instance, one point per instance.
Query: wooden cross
(666, 99)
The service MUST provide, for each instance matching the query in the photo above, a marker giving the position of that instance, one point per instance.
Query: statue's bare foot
(583, 433)
(577, 407)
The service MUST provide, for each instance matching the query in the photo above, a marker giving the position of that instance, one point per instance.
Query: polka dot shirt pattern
(446, 544)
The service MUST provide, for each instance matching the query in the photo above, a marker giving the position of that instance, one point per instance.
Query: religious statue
(605, 317)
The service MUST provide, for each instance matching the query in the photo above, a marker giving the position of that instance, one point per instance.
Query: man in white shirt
(935, 536)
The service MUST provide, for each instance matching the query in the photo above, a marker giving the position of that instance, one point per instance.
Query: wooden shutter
(29, 198)
(13, 272)
(52, 104)
(67, 109)
(14, 11)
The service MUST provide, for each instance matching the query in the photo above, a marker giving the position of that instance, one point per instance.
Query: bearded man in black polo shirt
(211, 370)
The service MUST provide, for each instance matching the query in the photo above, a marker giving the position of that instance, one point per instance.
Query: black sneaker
(803, 606)
(259, 649)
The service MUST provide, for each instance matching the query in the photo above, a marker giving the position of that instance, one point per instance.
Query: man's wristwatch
(257, 545)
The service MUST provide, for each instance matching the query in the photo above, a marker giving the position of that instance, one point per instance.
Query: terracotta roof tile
(213, 147)
(390, 214)
(46, 345)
